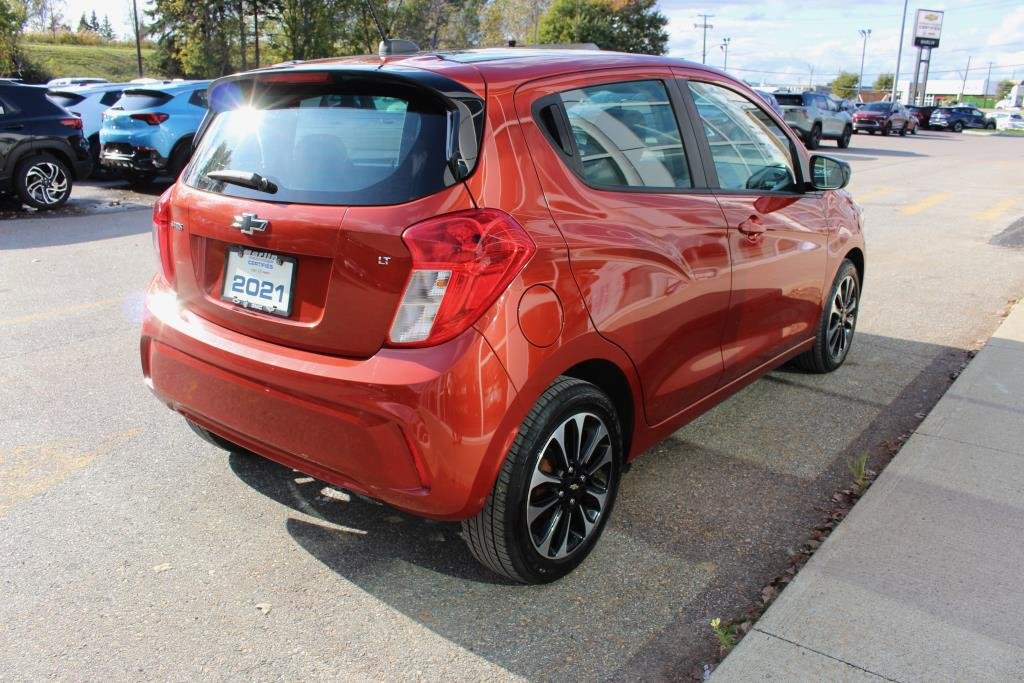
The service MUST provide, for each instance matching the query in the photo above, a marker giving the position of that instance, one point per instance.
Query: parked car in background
(149, 130)
(959, 117)
(42, 149)
(1008, 121)
(816, 117)
(362, 275)
(772, 102)
(912, 123)
(881, 117)
(921, 114)
(74, 80)
(89, 102)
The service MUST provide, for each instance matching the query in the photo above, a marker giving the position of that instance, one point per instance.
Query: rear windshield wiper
(248, 179)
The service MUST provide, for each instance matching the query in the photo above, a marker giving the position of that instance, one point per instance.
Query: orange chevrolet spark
(474, 285)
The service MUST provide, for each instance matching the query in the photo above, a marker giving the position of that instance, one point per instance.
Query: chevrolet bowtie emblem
(249, 223)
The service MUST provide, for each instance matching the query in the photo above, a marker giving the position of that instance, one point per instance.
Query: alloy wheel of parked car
(958, 127)
(814, 139)
(990, 125)
(842, 318)
(844, 140)
(837, 325)
(556, 487)
(43, 182)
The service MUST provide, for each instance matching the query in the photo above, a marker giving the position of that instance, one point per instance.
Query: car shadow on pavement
(704, 521)
(48, 231)
(862, 151)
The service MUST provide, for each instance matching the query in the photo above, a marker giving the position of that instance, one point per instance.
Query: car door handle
(751, 226)
(14, 126)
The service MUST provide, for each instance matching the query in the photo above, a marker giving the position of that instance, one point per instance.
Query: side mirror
(828, 173)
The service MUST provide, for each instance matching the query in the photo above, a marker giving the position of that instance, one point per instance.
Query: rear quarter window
(65, 99)
(790, 100)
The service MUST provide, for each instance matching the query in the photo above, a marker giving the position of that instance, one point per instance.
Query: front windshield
(877, 106)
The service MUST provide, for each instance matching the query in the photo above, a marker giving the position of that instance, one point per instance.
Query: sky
(780, 41)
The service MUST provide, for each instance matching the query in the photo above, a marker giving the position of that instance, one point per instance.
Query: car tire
(43, 182)
(179, 158)
(575, 494)
(903, 131)
(872, 132)
(990, 126)
(211, 438)
(844, 140)
(814, 137)
(958, 127)
(837, 325)
(886, 129)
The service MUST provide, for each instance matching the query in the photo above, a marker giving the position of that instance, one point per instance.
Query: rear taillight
(72, 123)
(461, 263)
(153, 119)
(162, 234)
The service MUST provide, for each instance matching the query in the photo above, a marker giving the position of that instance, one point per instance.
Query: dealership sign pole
(927, 31)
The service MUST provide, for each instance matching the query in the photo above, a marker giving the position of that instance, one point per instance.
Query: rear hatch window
(330, 143)
(136, 100)
(790, 100)
(65, 99)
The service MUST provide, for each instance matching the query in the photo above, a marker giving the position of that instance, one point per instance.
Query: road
(131, 549)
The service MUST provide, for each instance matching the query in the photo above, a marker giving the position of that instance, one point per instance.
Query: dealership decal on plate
(259, 280)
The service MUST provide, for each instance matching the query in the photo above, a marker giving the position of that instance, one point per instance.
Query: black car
(42, 149)
(958, 118)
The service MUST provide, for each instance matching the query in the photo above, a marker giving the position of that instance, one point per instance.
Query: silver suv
(816, 117)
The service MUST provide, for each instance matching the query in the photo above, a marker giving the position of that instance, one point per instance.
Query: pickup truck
(816, 117)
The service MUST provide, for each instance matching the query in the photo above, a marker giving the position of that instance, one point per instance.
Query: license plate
(259, 280)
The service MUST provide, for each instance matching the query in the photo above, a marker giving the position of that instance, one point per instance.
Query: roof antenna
(388, 47)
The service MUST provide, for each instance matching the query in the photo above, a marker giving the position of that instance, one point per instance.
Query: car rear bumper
(410, 427)
(130, 158)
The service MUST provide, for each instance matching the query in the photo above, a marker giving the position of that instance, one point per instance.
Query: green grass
(113, 62)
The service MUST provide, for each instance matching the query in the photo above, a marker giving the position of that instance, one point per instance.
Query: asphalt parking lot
(131, 549)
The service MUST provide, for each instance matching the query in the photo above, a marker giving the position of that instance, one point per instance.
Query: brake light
(461, 263)
(72, 123)
(162, 234)
(153, 119)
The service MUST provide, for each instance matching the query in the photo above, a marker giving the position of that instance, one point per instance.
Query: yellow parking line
(996, 210)
(57, 312)
(875, 194)
(926, 203)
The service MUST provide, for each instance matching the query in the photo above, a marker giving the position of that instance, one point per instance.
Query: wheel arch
(57, 152)
(856, 256)
(610, 379)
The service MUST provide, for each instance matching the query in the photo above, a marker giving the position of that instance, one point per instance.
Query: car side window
(626, 135)
(110, 97)
(198, 98)
(749, 149)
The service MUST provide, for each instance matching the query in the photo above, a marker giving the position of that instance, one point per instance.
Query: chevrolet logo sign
(250, 223)
(931, 17)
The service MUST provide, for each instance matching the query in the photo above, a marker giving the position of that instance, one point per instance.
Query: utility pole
(810, 83)
(725, 46)
(865, 33)
(899, 53)
(988, 82)
(256, 29)
(705, 26)
(963, 84)
(138, 39)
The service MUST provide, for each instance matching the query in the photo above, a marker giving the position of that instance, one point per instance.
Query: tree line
(218, 37)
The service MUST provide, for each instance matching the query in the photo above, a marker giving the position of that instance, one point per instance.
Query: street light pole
(899, 53)
(963, 84)
(725, 47)
(704, 25)
(865, 33)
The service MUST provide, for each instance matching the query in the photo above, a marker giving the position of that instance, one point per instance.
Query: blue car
(89, 102)
(149, 130)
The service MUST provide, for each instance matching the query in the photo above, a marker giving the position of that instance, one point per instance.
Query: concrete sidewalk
(924, 580)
